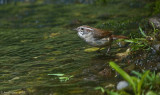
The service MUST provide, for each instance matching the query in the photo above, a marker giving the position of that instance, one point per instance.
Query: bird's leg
(108, 49)
(99, 50)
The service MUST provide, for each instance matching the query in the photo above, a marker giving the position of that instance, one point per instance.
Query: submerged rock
(106, 72)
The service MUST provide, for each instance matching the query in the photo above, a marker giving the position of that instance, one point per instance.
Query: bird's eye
(82, 28)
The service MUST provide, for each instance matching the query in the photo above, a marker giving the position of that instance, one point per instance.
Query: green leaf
(59, 75)
(112, 93)
(123, 74)
(153, 27)
(142, 32)
(137, 74)
(130, 41)
(141, 82)
(101, 88)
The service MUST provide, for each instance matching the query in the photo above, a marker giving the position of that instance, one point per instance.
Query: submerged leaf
(53, 35)
(57, 74)
(91, 49)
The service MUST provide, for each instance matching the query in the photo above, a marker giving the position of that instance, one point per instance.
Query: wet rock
(106, 72)
(157, 36)
(156, 46)
(122, 84)
(155, 21)
(129, 68)
(90, 77)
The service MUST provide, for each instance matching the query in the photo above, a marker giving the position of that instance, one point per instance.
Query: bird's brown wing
(98, 33)
(101, 33)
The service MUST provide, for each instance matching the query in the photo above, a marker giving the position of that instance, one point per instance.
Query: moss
(157, 7)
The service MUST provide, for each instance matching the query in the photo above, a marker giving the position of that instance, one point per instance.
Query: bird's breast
(91, 40)
(100, 42)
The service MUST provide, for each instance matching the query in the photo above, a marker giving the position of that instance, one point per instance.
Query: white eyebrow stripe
(89, 28)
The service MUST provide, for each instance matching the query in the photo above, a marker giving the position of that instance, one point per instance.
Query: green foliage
(151, 93)
(157, 7)
(123, 74)
(139, 84)
(151, 81)
(142, 32)
(139, 43)
(136, 83)
(100, 88)
(154, 30)
(143, 43)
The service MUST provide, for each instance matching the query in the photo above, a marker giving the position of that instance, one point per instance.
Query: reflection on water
(37, 40)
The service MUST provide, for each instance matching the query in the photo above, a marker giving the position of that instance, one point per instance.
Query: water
(49, 1)
(37, 40)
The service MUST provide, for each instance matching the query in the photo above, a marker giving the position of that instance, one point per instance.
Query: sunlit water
(37, 40)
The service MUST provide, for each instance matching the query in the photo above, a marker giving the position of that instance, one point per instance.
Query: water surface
(38, 39)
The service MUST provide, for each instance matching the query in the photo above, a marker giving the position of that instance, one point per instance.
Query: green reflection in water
(37, 40)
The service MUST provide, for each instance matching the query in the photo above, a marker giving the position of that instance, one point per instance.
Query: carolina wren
(97, 37)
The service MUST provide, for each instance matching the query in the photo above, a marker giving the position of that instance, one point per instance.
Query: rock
(121, 85)
(129, 68)
(106, 72)
(157, 36)
(156, 46)
(155, 21)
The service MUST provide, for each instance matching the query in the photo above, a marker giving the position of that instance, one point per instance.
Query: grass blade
(142, 32)
(123, 74)
(141, 82)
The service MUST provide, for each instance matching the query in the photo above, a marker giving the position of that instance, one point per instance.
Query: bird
(97, 37)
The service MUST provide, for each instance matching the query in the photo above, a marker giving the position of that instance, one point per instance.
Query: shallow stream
(38, 39)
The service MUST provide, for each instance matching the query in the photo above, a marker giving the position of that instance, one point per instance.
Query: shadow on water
(37, 40)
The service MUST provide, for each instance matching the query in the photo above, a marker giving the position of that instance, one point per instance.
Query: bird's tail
(114, 37)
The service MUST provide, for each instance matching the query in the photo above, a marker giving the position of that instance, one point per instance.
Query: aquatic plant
(145, 83)
(62, 77)
(139, 43)
(139, 84)
(157, 7)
